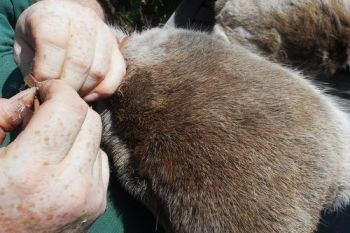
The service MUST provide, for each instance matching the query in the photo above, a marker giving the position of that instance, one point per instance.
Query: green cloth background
(123, 214)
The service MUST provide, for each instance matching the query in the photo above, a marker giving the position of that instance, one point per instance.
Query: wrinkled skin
(54, 176)
(66, 40)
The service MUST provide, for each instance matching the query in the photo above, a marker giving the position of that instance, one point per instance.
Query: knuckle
(42, 74)
(77, 105)
(79, 63)
(107, 90)
(35, 17)
(97, 75)
(64, 97)
(32, 14)
(42, 30)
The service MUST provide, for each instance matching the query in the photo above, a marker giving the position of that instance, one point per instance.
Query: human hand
(65, 40)
(15, 111)
(54, 176)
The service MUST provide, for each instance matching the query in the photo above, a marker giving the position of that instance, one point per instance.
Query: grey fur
(213, 138)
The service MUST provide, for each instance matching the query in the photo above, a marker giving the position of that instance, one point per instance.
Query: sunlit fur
(311, 35)
(213, 138)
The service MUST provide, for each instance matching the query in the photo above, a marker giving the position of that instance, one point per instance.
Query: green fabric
(10, 78)
(123, 214)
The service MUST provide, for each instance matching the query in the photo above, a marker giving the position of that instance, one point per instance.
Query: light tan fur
(311, 35)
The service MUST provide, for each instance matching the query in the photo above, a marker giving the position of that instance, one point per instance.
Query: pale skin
(54, 176)
(69, 41)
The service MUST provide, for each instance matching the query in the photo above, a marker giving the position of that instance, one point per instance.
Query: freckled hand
(13, 111)
(54, 173)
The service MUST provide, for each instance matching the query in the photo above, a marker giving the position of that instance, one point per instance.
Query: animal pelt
(213, 138)
(310, 35)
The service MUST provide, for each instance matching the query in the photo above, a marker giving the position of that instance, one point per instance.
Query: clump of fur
(311, 35)
(215, 139)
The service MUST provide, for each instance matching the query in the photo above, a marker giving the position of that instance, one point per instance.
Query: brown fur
(214, 139)
(312, 35)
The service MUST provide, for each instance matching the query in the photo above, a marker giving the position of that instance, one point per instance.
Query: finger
(54, 127)
(87, 145)
(26, 119)
(97, 167)
(105, 169)
(14, 110)
(112, 80)
(98, 203)
(24, 55)
(80, 53)
(102, 59)
(23, 50)
(50, 40)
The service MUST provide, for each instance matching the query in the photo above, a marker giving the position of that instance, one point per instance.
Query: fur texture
(312, 35)
(215, 139)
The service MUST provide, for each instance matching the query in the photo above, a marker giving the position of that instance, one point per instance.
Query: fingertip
(92, 97)
(119, 59)
(25, 97)
(15, 109)
(113, 79)
(119, 67)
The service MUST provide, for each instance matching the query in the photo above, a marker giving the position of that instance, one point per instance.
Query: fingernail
(91, 97)
(30, 80)
(25, 97)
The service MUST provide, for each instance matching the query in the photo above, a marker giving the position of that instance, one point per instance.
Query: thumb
(13, 110)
